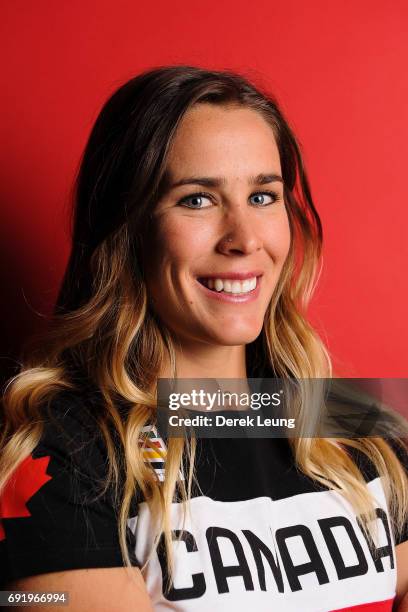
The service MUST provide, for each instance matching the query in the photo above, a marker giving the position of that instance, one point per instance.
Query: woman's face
(220, 232)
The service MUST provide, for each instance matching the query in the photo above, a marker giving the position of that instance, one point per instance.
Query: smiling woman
(223, 247)
(195, 250)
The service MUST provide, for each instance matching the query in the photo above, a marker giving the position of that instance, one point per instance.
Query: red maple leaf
(25, 481)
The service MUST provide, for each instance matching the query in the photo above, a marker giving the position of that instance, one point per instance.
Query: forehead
(230, 139)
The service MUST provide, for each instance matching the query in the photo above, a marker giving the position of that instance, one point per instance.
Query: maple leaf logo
(26, 480)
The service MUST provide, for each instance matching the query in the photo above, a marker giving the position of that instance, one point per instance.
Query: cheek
(178, 244)
(277, 239)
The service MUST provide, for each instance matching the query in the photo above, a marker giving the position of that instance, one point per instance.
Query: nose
(240, 234)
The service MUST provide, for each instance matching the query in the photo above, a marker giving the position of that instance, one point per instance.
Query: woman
(194, 253)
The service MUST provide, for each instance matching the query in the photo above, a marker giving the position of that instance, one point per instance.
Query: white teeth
(231, 286)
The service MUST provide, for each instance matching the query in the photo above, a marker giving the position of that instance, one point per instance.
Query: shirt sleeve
(52, 514)
(400, 448)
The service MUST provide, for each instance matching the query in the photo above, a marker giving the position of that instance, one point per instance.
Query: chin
(237, 336)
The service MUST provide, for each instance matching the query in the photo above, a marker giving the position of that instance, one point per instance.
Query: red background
(339, 69)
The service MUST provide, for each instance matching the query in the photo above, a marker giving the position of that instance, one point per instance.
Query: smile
(232, 286)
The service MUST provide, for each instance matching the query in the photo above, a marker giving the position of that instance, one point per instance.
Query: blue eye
(264, 198)
(204, 200)
(195, 200)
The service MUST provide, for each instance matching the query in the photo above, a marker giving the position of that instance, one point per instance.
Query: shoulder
(70, 409)
(55, 511)
(71, 434)
(366, 464)
(70, 455)
(72, 421)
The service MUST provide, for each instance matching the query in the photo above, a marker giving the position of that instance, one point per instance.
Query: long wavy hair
(103, 331)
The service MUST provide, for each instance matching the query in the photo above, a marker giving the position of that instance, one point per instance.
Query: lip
(232, 298)
(233, 275)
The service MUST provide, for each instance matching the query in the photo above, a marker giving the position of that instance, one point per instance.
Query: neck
(197, 360)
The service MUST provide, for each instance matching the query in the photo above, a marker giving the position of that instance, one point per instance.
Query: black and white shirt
(259, 534)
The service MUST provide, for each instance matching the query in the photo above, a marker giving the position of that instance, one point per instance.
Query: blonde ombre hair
(103, 329)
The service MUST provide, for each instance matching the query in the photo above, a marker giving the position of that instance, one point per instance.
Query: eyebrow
(207, 181)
